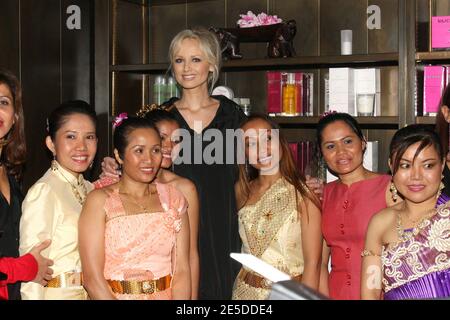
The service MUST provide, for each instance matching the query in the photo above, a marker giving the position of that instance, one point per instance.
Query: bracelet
(368, 253)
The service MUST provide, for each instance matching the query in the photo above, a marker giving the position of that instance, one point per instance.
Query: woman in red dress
(348, 204)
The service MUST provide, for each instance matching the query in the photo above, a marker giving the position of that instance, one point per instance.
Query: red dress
(346, 212)
(23, 268)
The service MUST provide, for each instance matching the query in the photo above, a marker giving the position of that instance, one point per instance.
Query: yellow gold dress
(270, 230)
(51, 211)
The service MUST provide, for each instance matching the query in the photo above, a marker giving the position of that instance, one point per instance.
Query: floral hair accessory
(250, 20)
(149, 108)
(327, 113)
(119, 119)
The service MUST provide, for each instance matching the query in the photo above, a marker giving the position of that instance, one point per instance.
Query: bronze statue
(279, 37)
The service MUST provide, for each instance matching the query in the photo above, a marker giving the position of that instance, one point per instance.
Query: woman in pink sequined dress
(134, 235)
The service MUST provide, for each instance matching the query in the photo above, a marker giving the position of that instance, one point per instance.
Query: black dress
(9, 230)
(218, 229)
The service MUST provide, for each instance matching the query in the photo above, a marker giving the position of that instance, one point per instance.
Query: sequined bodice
(425, 253)
(270, 229)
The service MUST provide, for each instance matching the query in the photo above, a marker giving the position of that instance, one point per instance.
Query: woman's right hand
(44, 273)
(315, 185)
(110, 168)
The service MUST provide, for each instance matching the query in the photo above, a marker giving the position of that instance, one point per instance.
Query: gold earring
(441, 187)
(393, 191)
(54, 165)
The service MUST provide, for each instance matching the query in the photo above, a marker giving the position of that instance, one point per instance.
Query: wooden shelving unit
(426, 120)
(315, 62)
(435, 56)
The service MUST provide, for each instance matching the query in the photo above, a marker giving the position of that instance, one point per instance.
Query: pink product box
(433, 86)
(294, 149)
(440, 32)
(274, 92)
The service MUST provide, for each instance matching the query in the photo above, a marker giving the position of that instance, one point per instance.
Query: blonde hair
(208, 44)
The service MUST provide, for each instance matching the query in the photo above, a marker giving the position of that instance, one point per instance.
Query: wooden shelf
(426, 120)
(438, 56)
(307, 62)
(152, 3)
(312, 121)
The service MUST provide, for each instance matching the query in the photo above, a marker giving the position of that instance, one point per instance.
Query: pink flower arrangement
(250, 20)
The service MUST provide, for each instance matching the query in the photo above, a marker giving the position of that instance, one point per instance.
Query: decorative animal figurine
(279, 37)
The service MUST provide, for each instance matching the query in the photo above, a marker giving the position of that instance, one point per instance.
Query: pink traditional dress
(140, 248)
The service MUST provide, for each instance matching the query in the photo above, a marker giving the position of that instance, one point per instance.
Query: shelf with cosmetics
(140, 32)
(431, 58)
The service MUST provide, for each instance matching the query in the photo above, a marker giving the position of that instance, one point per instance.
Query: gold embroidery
(437, 249)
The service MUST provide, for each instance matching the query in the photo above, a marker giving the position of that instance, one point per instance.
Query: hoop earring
(393, 191)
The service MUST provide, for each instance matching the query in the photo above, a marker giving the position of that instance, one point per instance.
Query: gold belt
(140, 287)
(256, 281)
(66, 279)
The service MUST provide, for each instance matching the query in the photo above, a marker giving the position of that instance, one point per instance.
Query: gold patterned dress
(270, 230)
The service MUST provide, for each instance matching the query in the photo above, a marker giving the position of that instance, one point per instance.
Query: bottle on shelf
(159, 90)
(290, 93)
(171, 89)
(326, 89)
(246, 106)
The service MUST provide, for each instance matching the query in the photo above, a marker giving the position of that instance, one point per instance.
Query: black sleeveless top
(218, 229)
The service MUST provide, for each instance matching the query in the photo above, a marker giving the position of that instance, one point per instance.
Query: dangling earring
(54, 165)
(441, 187)
(393, 191)
(91, 165)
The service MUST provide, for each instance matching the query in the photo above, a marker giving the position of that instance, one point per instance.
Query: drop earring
(54, 165)
(393, 191)
(441, 187)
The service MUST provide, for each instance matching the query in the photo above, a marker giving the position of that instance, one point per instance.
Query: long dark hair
(14, 149)
(288, 169)
(442, 125)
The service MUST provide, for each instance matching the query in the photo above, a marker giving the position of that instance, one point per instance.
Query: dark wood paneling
(386, 38)
(237, 7)
(384, 138)
(76, 73)
(249, 85)
(129, 30)
(336, 15)
(101, 89)
(206, 14)
(41, 73)
(441, 7)
(389, 91)
(9, 36)
(306, 14)
(165, 23)
(423, 27)
(128, 93)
